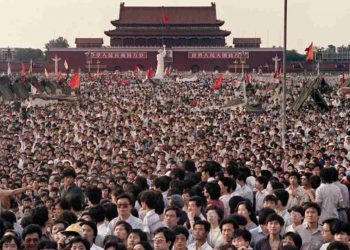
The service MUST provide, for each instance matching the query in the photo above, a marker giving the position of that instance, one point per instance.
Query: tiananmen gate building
(193, 37)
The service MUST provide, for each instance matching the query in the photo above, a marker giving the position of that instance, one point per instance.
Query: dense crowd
(163, 166)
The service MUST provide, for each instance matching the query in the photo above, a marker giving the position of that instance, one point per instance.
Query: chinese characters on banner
(217, 55)
(119, 55)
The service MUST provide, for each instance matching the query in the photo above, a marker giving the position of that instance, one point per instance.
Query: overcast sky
(33, 23)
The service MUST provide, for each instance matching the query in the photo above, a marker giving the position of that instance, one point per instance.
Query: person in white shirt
(328, 196)
(163, 239)
(214, 216)
(261, 191)
(200, 233)
(181, 237)
(245, 191)
(124, 205)
(149, 202)
(89, 232)
(227, 187)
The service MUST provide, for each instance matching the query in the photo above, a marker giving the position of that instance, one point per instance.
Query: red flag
(217, 83)
(248, 78)
(30, 70)
(149, 73)
(310, 53)
(342, 80)
(75, 81)
(23, 70)
(58, 77)
(165, 19)
(278, 73)
(167, 71)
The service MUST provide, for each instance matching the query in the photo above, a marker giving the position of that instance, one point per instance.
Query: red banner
(217, 55)
(119, 55)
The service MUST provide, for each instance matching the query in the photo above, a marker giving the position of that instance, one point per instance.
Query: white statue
(160, 63)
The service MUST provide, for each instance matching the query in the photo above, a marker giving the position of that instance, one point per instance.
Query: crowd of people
(163, 166)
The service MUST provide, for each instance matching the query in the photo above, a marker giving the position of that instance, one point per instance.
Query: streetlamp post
(235, 63)
(88, 60)
(284, 86)
(243, 60)
(98, 67)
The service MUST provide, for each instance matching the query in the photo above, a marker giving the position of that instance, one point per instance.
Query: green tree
(294, 56)
(57, 43)
(27, 54)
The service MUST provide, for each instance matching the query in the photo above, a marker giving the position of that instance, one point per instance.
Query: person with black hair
(241, 239)
(328, 230)
(68, 216)
(227, 189)
(227, 227)
(245, 208)
(337, 245)
(94, 195)
(296, 218)
(162, 184)
(89, 232)
(31, 236)
(282, 196)
(171, 216)
(214, 216)
(292, 239)
(194, 213)
(41, 217)
(181, 237)
(270, 201)
(273, 239)
(328, 196)
(310, 231)
(163, 239)
(211, 192)
(200, 232)
(143, 245)
(98, 216)
(342, 232)
(122, 230)
(261, 191)
(134, 237)
(114, 245)
(261, 231)
(342, 212)
(56, 227)
(243, 189)
(48, 245)
(208, 172)
(124, 204)
(9, 242)
(151, 221)
(69, 187)
(79, 243)
(296, 192)
(110, 211)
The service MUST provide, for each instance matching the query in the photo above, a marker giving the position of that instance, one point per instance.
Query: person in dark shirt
(69, 187)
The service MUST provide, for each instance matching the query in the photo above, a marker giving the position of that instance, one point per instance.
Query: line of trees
(27, 54)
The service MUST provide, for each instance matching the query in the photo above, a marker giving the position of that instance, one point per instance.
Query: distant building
(192, 35)
(247, 42)
(172, 26)
(6, 53)
(89, 42)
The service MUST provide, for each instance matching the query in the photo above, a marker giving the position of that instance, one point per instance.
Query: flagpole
(284, 86)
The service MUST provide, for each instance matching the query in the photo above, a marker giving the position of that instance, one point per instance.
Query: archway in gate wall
(194, 68)
(217, 68)
(117, 68)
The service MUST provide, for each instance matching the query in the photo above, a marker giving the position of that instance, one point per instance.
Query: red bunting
(217, 83)
(310, 52)
(75, 81)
